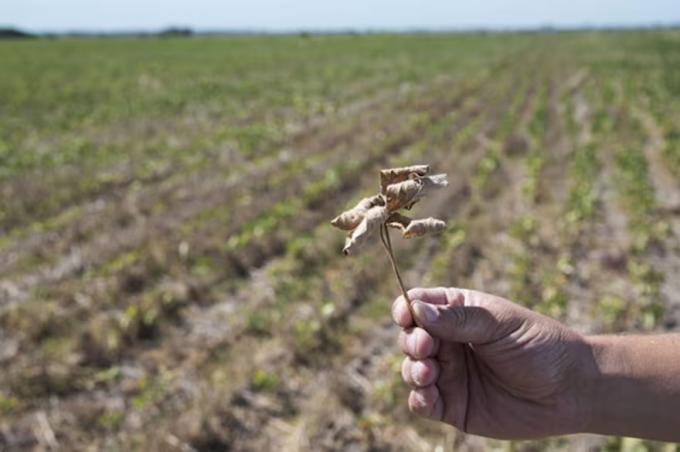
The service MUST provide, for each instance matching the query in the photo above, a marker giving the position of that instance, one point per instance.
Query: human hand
(491, 367)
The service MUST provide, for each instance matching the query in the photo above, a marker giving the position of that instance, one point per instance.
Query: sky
(295, 15)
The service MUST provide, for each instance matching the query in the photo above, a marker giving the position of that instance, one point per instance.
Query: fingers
(439, 388)
(426, 402)
(400, 313)
(419, 373)
(467, 319)
(447, 320)
(418, 343)
(435, 295)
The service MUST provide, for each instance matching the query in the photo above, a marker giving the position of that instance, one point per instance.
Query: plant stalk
(387, 243)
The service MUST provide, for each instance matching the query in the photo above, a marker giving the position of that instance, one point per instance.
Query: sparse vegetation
(168, 278)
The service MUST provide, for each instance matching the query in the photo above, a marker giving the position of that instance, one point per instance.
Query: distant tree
(13, 33)
(176, 32)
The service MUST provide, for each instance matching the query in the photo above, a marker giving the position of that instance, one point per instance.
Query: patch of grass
(8, 404)
(523, 274)
(583, 168)
(554, 299)
(672, 151)
(259, 323)
(102, 339)
(390, 391)
(487, 167)
(117, 264)
(539, 122)
(613, 310)
(534, 164)
(263, 381)
(307, 336)
(634, 181)
(452, 239)
(150, 391)
(111, 375)
(36, 318)
(202, 265)
(57, 348)
(524, 228)
(111, 419)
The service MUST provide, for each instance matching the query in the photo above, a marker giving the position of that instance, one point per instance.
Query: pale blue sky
(287, 15)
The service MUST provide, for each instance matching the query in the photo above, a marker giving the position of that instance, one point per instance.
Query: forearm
(635, 386)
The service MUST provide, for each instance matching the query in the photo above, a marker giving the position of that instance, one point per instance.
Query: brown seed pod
(416, 228)
(403, 195)
(372, 221)
(400, 188)
(351, 218)
(394, 175)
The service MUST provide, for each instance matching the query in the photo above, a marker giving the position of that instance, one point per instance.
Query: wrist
(634, 390)
(623, 389)
(592, 358)
(603, 363)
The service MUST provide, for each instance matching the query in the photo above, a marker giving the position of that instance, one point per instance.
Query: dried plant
(400, 188)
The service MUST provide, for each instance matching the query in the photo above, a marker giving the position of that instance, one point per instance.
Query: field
(169, 279)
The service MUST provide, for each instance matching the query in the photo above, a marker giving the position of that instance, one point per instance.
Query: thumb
(457, 323)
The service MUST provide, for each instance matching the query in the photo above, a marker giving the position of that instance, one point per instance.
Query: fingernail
(426, 311)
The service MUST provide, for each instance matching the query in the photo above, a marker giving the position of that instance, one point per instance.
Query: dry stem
(387, 243)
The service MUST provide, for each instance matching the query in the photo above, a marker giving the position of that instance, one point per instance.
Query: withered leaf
(351, 218)
(394, 175)
(373, 220)
(403, 195)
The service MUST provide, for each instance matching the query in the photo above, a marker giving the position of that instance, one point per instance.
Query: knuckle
(400, 313)
(458, 317)
(421, 344)
(424, 372)
(414, 292)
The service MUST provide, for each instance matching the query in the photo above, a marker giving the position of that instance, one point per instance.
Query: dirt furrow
(180, 192)
(320, 135)
(624, 267)
(202, 337)
(212, 314)
(298, 223)
(663, 259)
(175, 133)
(192, 202)
(666, 186)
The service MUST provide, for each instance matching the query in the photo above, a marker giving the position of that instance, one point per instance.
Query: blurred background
(169, 279)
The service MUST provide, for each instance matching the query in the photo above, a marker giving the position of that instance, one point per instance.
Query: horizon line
(339, 30)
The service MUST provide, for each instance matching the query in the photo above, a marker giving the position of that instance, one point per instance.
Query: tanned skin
(493, 368)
